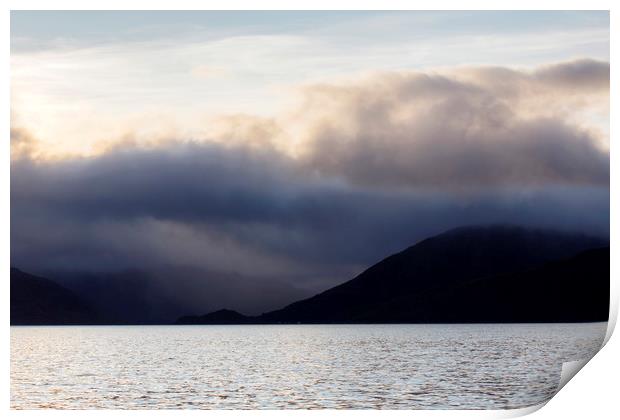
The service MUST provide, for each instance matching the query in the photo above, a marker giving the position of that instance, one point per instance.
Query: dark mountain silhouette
(474, 274)
(39, 301)
(571, 290)
(223, 316)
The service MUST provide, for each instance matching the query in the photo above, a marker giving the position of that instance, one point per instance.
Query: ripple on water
(294, 366)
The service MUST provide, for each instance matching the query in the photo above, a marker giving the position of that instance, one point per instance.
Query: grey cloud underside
(529, 153)
(429, 130)
(577, 75)
(248, 221)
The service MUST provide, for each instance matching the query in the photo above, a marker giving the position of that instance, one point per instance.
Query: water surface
(294, 366)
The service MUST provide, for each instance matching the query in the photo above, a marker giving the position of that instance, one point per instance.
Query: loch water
(467, 366)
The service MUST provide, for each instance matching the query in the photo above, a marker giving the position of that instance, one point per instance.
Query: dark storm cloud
(250, 212)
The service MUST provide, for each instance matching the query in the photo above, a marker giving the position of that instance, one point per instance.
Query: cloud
(477, 128)
(254, 213)
(555, 82)
(23, 144)
(583, 75)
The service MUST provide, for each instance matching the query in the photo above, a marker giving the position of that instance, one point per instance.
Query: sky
(274, 154)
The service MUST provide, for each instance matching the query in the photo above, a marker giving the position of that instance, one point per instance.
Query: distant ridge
(39, 301)
(470, 274)
(222, 317)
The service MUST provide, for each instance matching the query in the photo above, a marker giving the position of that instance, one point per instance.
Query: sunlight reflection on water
(294, 366)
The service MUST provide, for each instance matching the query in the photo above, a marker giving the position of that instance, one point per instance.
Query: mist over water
(485, 366)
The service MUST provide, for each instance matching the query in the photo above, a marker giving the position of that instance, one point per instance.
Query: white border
(594, 391)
